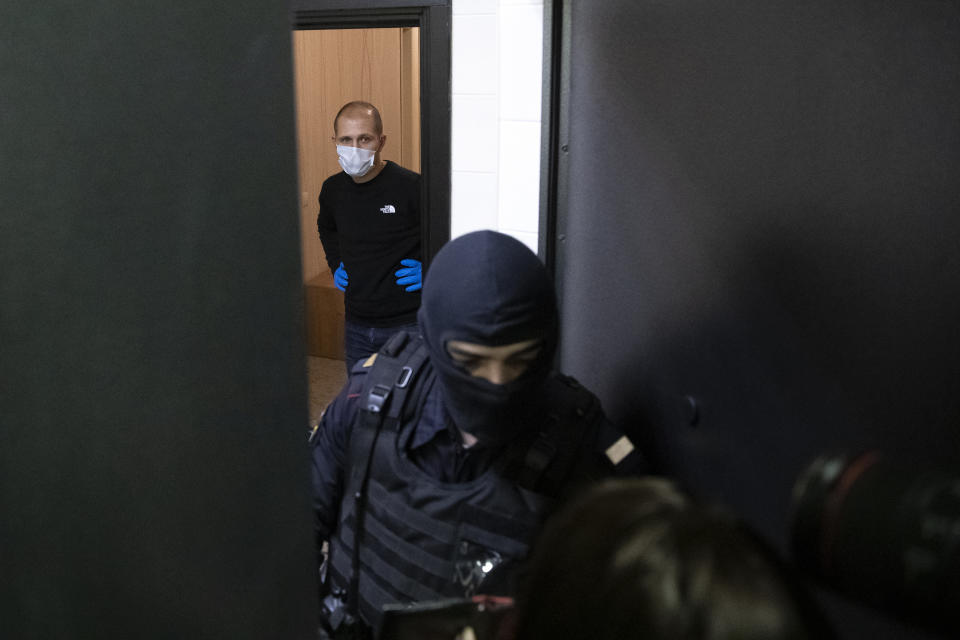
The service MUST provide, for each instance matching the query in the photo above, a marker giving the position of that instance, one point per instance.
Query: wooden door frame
(434, 20)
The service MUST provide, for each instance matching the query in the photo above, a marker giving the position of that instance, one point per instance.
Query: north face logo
(388, 209)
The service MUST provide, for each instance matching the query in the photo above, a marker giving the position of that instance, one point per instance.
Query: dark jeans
(362, 340)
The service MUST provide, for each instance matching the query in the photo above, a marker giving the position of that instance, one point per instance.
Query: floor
(326, 379)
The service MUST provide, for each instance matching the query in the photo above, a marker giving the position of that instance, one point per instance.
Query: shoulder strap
(571, 410)
(384, 393)
(392, 376)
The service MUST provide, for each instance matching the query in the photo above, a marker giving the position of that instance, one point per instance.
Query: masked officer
(435, 467)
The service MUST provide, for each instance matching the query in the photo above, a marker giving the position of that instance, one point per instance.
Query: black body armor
(421, 539)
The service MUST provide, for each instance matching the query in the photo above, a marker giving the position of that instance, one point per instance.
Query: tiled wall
(497, 57)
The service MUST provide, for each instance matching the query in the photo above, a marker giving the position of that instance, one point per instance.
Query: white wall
(497, 57)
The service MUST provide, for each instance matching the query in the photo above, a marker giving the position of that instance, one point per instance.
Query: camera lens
(885, 533)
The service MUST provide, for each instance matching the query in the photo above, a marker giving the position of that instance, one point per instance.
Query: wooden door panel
(331, 68)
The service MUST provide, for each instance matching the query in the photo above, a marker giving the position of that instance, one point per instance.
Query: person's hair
(360, 105)
(638, 559)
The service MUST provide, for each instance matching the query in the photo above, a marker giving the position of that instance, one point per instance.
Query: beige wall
(332, 67)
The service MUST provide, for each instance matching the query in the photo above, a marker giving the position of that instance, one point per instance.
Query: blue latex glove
(340, 278)
(411, 275)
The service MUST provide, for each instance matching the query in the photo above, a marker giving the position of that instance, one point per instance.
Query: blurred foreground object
(476, 618)
(639, 559)
(884, 533)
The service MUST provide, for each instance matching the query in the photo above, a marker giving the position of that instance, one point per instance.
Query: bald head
(359, 109)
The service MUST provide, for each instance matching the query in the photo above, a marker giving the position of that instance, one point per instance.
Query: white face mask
(355, 161)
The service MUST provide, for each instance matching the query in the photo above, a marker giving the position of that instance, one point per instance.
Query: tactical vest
(422, 539)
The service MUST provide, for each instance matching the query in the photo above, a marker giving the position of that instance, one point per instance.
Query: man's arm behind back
(327, 229)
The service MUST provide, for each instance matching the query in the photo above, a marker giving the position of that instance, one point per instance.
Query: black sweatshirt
(371, 227)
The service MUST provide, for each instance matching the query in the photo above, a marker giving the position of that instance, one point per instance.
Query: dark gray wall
(153, 464)
(763, 213)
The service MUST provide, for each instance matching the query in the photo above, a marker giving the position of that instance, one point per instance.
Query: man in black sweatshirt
(369, 224)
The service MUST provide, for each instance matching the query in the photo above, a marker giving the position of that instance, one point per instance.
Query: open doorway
(333, 67)
(422, 144)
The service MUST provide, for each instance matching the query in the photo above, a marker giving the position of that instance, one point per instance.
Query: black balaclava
(488, 288)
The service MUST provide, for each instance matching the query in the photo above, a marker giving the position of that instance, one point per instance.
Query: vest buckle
(377, 398)
(405, 374)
